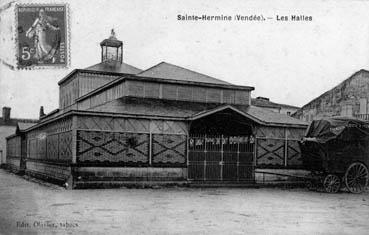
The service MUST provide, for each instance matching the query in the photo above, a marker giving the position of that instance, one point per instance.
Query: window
(289, 113)
(363, 106)
(346, 110)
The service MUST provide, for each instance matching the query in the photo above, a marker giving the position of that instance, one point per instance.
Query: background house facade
(265, 103)
(349, 98)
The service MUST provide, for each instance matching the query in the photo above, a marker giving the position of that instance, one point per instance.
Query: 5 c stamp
(42, 36)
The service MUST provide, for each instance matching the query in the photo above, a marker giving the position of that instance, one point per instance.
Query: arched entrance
(221, 147)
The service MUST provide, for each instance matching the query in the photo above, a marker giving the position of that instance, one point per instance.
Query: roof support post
(285, 147)
(74, 139)
(150, 148)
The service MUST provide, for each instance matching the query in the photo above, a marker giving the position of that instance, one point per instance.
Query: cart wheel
(332, 183)
(356, 177)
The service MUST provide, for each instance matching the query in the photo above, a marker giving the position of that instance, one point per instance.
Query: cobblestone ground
(28, 207)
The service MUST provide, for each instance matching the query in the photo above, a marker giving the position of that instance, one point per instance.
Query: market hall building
(118, 124)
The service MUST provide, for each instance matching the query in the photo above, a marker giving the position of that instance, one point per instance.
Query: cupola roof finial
(112, 35)
(112, 41)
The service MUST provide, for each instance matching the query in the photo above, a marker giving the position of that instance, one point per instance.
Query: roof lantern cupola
(111, 49)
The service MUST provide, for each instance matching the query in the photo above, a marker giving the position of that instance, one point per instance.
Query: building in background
(349, 98)
(265, 103)
(8, 127)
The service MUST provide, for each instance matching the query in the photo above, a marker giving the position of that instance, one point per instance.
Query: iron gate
(221, 158)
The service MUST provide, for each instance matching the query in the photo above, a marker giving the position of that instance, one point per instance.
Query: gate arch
(221, 148)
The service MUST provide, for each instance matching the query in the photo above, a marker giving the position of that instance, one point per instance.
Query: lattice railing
(169, 149)
(112, 147)
(14, 147)
(61, 125)
(278, 153)
(53, 148)
(103, 147)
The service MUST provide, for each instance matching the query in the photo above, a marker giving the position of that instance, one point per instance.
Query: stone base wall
(275, 176)
(48, 170)
(130, 174)
(13, 164)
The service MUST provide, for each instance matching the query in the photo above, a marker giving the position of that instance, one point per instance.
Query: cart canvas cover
(339, 128)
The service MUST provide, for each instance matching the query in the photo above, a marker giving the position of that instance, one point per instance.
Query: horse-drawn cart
(336, 151)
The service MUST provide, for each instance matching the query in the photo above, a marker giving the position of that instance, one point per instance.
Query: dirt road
(28, 207)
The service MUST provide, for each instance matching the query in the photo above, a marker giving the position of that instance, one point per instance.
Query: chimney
(6, 114)
(42, 113)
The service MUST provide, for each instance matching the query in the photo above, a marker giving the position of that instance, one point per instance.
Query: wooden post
(255, 150)
(238, 157)
(253, 168)
(150, 148)
(70, 182)
(74, 139)
(187, 154)
(204, 156)
(285, 147)
(221, 158)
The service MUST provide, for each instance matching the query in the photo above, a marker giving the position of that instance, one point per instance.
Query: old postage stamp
(42, 36)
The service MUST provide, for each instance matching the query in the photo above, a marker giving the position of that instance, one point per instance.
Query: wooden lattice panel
(270, 152)
(96, 146)
(157, 126)
(270, 132)
(65, 146)
(169, 149)
(32, 134)
(137, 125)
(14, 147)
(41, 147)
(96, 123)
(120, 124)
(61, 125)
(32, 148)
(101, 123)
(175, 127)
(293, 154)
(168, 127)
(295, 134)
(52, 147)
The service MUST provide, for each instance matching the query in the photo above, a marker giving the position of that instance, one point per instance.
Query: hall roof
(166, 70)
(257, 114)
(192, 111)
(114, 67)
(22, 126)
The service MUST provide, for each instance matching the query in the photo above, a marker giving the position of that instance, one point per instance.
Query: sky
(287, 61)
